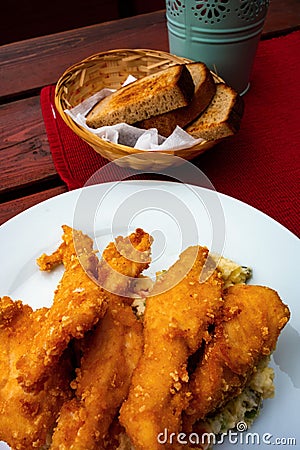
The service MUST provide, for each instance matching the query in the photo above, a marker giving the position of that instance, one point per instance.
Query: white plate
(177, 215)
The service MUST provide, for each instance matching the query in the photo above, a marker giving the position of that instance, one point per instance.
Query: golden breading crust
(175, 323)
(123, 260)
(110, 353)
(252, 320)
(88, 373)
(27, 419)
(78, 304)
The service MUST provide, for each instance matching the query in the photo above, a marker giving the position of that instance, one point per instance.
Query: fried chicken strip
(110, 355)
(26, 419)
(79, 302)
(176, 321)
(253, 319)
(123, 261)
(111, 352)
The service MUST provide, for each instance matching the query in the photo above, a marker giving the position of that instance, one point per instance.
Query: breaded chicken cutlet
(79, 302)
(124, 260)
(177, 317)
(27, 418)
(252, 319)
(134, 376)
(110, 353)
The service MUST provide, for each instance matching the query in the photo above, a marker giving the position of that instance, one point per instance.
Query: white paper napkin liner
(178, 139)
(129, 135)
(84, 108)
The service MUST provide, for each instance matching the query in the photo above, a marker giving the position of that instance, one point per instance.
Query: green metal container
(222, 33)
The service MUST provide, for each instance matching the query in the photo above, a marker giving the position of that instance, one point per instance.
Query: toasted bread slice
(205, 89)
(221, 118)
(151, 95)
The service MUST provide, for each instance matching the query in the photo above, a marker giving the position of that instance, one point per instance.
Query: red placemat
(260, 165)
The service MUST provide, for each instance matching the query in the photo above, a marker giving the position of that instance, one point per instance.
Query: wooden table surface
(27, 172)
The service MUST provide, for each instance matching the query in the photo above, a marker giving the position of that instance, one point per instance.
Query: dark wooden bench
(21, 20)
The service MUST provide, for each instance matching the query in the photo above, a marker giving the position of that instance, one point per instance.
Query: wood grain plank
(25, 156)
(29, 65)
(283, 17)
(41, 18)
(14, 207)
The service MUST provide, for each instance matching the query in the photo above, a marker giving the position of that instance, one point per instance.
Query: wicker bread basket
(109, 70)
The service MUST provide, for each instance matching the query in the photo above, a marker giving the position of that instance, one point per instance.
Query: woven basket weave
(109, 70)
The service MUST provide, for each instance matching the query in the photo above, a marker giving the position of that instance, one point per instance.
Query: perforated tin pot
(222, 33)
